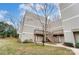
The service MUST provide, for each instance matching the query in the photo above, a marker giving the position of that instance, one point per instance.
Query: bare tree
(43, 9)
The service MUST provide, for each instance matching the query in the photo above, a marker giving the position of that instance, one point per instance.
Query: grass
(10, 46)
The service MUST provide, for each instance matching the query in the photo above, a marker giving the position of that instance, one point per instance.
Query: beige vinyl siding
(28, 29)
(71, 24)
(32, 21)
(57, 25)
(64, 5)
(70, 17)
(27, 36)
(70, 20)
(70, 12)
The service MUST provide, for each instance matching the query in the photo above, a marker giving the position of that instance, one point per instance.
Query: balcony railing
(37, 31)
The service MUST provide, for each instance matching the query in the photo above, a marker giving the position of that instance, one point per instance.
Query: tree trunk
(45, 31)
(44, 37)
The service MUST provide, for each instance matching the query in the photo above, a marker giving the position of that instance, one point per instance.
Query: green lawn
(11, 46)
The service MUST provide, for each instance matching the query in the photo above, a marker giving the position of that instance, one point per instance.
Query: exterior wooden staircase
(50, 37)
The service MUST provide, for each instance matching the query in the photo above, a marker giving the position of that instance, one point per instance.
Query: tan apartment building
(31, 29)
(70, 21)
(66, 29)
(30, 26)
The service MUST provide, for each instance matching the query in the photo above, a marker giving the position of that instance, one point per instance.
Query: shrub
(28, 41)
(2, 34)
(77, 45)
(7, 30)
(69, 44)
(17, 36)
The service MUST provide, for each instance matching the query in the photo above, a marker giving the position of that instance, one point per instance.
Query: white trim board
(70, 18)
(67, 31)
(31, 26)
(57, 28)
(67, 7)
(27, 33)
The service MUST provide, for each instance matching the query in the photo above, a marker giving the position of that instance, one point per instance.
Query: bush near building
(7, 30)
(77, 45)
(68, 44)
(71, 44)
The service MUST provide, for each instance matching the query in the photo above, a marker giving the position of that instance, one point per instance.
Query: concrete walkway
(75, 50)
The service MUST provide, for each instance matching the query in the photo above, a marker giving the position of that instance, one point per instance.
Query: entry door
(76, 35)
(61, 39)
